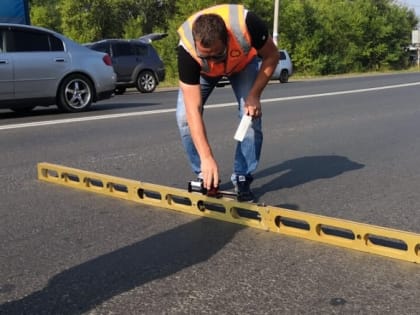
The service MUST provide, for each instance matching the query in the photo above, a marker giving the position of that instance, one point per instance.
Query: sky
(412, 4)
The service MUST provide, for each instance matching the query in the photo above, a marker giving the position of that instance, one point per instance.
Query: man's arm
(261, 40)
(193, 103)
(189, 83)
(270, 58)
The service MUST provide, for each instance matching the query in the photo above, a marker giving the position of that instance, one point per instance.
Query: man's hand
(210, 173)
(253, 106)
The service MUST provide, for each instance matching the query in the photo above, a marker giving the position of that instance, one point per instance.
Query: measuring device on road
(344, 233)
(198, 186)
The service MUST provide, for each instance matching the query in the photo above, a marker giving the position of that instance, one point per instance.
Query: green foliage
(323, 36)
(132, 29)
(339, 36)
(85, 20)
(44, 13)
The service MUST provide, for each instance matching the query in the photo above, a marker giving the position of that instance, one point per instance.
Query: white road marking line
(152, 112)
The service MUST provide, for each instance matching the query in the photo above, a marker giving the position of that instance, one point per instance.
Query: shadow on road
(81, 288)
(302, 170)
(53, 110)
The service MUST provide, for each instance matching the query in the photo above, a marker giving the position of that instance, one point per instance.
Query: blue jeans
(247, 154)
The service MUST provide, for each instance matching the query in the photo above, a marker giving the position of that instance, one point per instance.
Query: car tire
(119, 91)
(284, 76)
(75, 94)
(146, 82)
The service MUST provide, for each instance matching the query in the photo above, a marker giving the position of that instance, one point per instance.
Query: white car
(39, 67)
(284, 68)
(282, 72)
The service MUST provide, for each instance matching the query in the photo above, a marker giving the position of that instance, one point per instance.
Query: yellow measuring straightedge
(363, 237)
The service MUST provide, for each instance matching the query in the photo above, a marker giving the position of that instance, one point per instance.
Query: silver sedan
(39, 67)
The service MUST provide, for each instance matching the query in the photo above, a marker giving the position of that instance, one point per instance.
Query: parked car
(282, 72)
(284, 68)
(39, 67)
(135, 61)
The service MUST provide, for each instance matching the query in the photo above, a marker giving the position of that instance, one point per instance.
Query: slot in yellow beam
(344, 233)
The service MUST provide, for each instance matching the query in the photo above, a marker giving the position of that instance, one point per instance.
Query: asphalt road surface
(345, 148)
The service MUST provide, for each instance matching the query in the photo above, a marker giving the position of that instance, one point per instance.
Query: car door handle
(59, 59)
(4, 61)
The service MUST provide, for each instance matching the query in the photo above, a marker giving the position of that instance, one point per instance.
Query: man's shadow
(80, 288)
(302, 170)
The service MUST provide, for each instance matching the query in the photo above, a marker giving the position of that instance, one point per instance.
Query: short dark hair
(208, 28)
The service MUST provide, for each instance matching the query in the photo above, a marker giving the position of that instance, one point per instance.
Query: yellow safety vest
(239, 49)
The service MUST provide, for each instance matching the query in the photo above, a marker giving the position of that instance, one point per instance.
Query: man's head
(208, 28)
(210, 37)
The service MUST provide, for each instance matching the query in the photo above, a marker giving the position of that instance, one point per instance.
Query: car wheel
(146, 82)
(119, 91)
(75, 94)
(284, 76)
(23, 110)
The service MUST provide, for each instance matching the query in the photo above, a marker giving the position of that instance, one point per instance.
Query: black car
(135, 61)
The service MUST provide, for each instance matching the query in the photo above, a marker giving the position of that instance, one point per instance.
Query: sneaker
(242, 187)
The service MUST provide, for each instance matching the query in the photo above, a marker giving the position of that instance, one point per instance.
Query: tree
(86, 20)
(44, 13)
(339, 36)
(322, 37)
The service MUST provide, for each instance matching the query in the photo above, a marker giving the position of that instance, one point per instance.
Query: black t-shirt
(189, 69)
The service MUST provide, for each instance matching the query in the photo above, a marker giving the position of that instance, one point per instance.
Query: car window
(1, 41)
(24, 40)
(27, 41)
(282, 55)
(102, 47)
(140, 50)
(122, 49)
(56, 43)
